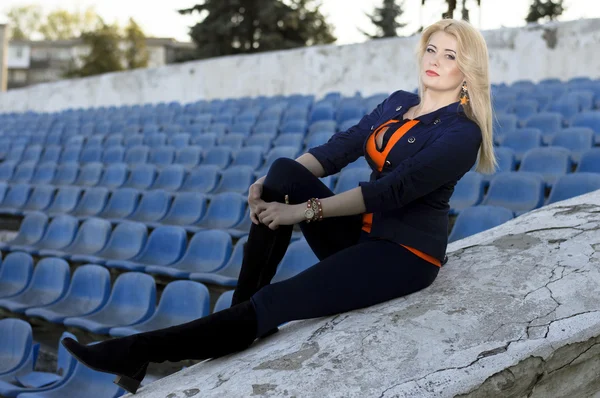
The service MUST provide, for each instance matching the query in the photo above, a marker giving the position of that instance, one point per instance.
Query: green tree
(24, 21)
(136, 52)
(105, 54)
(385, 18)
(63, 24)
(544, 9)
(248, 26)
(449, 13)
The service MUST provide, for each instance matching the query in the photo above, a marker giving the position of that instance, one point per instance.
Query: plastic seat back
(40, 198)
(236, 179)
(218, 156)
(190, 156)
(91, 236)
(519, 192)
(298, 258)
(162, 155)
(477, 219)
(44, 173)
(15, 273)
(201, 179)
(91, 154)
(141, 176)
(121, 204)
(153, 206)
(224, 210)
(90, 174)
(186, 209)
(15, 344)
(589, 161)
(549, 162)
(65, 200)
(137, 154)
(16, 196)
(165, 245)
(467, 192)
(249, 156)
(114, 175)
(23, 172)
(207, 251)
(349, 179)
(126, 241)
(60, 233)
(113, 154)
(66, 174)
(93, 202)
(571, 185)
(170, 178)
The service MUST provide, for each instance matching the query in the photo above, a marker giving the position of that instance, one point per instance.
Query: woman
(384, 239)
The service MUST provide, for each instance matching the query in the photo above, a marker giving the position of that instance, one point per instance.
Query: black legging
(354, 271)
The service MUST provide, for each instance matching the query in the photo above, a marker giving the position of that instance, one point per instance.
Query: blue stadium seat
(91, 237)
(522, 140)
(113, 140)
(550, 162)
(155, 140)
(236, 179)
(3, 189)
(224, 211)
(298, 257)
(187, 208)
(567, 109)
(180, 302)
(91, 154)
(70, 154)
(16, 347)
(7, 169)
(467, 192)
(65, 200)
(90, 174)
(349, 112)
(23, 172)
(249, 156)
(51, 153)
(15, 274)
(132, 300)
(113, 154)
(317, 139)
(294, 140)
(121, 204)
(180, 140)
(242, 128)
(322, 126)
(40, 199)
(217, 156)
(15, 198)
(227, 275)
(294, 127)
(165, 245)
(153, 206)
(190, 156)
(170, 178)
(133, 140)
(33, 153)
(201, 179)
(126, 241)
(571, 185)
(549, 123)
(268, 127)
(136, 155)
(276, 153)
(360, 163)
(162, 156)
(30, 382)
(93, 202)
(49, 283)
(349, 179)
(66, 174)
(205, 141)
(477, 219)
(224, 301)
(519, 192)
(504, 123)
(525, 109)
(575, 139)
(321, 112)
(590, 119)
(15, 154)
(141, 176)
(44, 173)
(590, 161)
(504, 103)
(260, 140)
(233, 141)
(505, 157)
(114, 176)
(88, 292)
(207, 251)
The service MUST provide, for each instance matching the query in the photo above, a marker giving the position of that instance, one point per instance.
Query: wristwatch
(313, 210)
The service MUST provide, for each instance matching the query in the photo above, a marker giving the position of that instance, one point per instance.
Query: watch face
(309, 213)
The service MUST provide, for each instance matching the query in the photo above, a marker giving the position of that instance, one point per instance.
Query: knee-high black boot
(213, 336)
(262, 254)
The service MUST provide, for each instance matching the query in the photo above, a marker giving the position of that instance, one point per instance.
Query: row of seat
(518, 192)
(20, 353)
(189, 157)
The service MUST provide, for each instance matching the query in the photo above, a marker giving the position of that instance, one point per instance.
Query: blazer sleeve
(345, 147)
(444, 160)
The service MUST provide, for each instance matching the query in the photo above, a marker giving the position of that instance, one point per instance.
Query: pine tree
(248, 26)
(136, 52)
(385, 18)
(545, 9)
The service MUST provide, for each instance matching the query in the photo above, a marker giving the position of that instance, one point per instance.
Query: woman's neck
(433, 100)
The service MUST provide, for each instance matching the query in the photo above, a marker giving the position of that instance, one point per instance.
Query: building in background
(32, 62)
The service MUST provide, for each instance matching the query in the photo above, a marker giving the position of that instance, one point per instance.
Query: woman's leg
(367, 273)
(265, 247)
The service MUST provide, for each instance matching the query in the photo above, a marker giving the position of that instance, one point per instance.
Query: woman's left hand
(274, 214)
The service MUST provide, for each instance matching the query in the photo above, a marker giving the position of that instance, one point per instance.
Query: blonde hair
(472, 60)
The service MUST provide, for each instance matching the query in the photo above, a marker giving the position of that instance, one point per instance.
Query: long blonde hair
(472, 60)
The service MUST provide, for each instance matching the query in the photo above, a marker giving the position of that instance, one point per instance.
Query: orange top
(379, 159)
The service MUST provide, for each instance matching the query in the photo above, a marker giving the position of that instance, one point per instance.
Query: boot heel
(128, 383)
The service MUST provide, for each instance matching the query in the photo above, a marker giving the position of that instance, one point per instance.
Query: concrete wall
(3, 58)
(562, 50)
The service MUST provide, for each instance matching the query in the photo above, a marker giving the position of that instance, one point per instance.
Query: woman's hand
(274, 214)
(254, 193)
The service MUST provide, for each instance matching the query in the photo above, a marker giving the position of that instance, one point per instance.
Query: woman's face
(439, 70)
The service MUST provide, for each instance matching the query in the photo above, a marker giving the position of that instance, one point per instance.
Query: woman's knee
(282, 171)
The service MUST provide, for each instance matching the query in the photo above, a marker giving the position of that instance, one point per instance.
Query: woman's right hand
(254, 194)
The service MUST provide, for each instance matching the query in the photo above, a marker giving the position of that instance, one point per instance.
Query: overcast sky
(159, 18)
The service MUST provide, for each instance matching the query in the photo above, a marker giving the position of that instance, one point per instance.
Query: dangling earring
(464, 94)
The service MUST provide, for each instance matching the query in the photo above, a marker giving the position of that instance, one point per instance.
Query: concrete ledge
(514, 313)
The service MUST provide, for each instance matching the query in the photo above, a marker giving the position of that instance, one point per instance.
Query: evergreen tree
(545, 9)
(136, 52)
(248, 26)
(105, 53)
(385, 18)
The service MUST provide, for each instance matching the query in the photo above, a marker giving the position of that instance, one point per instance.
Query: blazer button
(436, 121)
(411, 140)
(372, 127)
(398, 108)
(387, 162)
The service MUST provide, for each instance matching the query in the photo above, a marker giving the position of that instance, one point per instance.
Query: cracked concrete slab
(514, 313)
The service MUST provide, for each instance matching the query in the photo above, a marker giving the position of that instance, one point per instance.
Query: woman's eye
(430, 50)
(451, 57)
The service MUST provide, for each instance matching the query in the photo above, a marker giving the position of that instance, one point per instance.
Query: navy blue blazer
(409, 197)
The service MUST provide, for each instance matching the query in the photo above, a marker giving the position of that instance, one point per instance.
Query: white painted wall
(561, 50)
